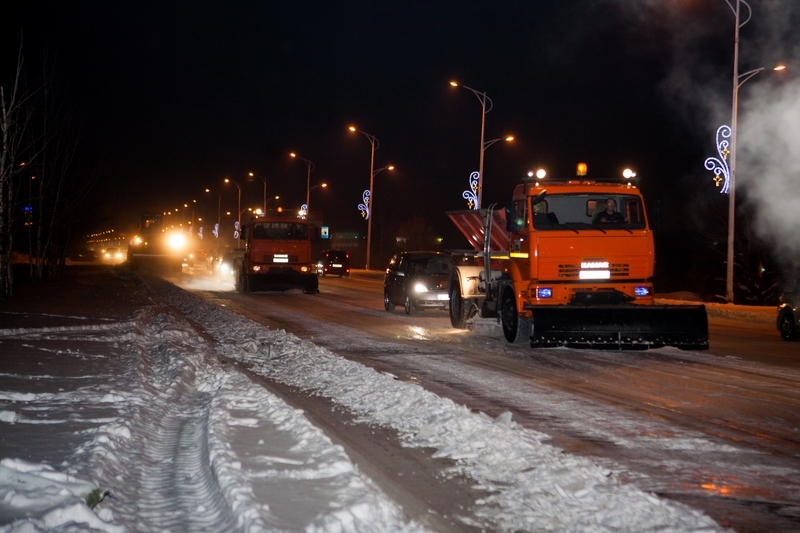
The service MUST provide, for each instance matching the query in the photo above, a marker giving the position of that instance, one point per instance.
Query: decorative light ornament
(304, 211)
(719, 165)
(215, 231)
(364, 208)
(236, 230)
(471, 194)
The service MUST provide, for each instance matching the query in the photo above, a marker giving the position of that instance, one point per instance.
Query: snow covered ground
(147, 413)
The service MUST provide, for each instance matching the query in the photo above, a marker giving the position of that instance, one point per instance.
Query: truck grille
(618, 270)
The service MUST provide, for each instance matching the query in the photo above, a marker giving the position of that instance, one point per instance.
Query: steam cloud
(699, 87)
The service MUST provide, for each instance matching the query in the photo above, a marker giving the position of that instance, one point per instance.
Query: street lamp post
(738, 81)
(308, 193)
(373, 141)
(310, 166)
(265, 205)
(219, 211)
(239, 211)
(483, 99)
(265, 180)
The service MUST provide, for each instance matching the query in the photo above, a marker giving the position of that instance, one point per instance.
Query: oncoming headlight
(176, 241)
(420, 287)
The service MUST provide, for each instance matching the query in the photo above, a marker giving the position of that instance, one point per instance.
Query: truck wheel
(787, 327)
(409, 307)
(459, 308)
(516, 329)
(312, 286)
(387, 302)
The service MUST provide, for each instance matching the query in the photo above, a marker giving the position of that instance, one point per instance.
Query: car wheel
(516, 329)
(787, 327)
(387, 302)
(409, 307)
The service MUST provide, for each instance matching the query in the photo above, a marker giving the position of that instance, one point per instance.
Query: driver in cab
(609, 215)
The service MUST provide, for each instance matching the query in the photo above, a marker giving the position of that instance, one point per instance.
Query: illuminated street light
(738, 80)
(483, 99)
(238, 232)
(265, 180)
(368, 195)
(310, 166)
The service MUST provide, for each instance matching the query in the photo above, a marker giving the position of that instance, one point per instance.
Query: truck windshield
(287, 231)
(577, 211)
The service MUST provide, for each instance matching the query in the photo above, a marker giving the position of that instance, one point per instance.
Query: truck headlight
(544, 292)
(176, 241)
(420, 287)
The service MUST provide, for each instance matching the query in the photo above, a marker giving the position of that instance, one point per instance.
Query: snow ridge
(529, 484)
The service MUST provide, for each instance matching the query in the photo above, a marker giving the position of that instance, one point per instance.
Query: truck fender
(513, 279)
(467, 278)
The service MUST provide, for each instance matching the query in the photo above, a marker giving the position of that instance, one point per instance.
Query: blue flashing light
(544, 293)
(641, 291)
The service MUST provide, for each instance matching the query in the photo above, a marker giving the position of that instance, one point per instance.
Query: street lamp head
(323, 185)
(227, 180)
(779, 67)
(509, 138)
(628, 174)
(454, 83)
(352, 128)
(292, 154)
(390, 167)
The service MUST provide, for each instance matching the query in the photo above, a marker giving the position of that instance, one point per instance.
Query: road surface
(717, 430)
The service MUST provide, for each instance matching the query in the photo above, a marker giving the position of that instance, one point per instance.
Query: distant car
(225, 270)
(417, 280)
(334, 262)
(198, 256)
(113, 255)
(788, 316)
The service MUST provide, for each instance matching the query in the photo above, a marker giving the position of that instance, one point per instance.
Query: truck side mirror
(512, 224)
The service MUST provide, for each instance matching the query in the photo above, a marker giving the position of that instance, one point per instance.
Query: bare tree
(37, 174)
(60, 187)
(15, 121)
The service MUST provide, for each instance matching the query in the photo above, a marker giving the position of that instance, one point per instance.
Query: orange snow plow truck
(277, 255)
(556, 272)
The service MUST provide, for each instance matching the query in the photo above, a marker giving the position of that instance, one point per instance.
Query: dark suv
(417, 280)
(788, 316)
(333, 262)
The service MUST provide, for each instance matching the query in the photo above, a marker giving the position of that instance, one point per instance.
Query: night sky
(172, 97)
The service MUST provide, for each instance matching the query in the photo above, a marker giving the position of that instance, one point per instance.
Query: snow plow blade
(615, 327)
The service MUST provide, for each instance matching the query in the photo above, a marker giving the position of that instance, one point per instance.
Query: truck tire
(459, 307)
(516, 329)
(312, 285)
(240, 281)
